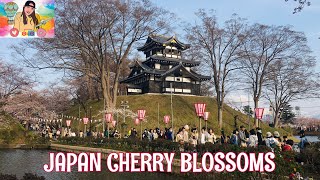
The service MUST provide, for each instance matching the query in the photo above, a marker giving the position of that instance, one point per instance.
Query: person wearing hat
(27, 19)
(271, 142)
(276, 135)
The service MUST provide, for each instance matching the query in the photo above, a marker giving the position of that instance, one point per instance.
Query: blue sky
(270, 12)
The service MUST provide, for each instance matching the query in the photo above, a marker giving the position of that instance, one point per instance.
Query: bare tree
(95, 38)
(55, 98)
(217, 48)
(263, 46)
(12, 81)
(289, 80)
(301, 5)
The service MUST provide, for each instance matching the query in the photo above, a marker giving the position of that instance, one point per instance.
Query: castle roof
(163, 73)
(158, 40)
(173, 61)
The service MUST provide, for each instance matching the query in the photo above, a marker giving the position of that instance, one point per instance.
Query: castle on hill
(164, 70)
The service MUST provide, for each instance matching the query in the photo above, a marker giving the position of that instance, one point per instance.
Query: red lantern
(141, 114)
(85, 121)
(114, 123)
(259, 112)
(68, 122)
(136, 121)
(206, 116)
(166, 119)
(200, 108)
(108, 117)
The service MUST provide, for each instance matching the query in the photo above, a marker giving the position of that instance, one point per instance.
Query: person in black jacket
(259, 134)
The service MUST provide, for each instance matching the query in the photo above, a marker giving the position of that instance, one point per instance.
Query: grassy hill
(183, 110)
(11, 131)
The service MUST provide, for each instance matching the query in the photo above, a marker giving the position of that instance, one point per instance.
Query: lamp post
(271, 111)
(85, 122)
(124, 105)
(206, 117)
(90, 120)
(259, 114)
(68, 122)
(108, 117)
(200, 108)
(141, 115)
(136, 121)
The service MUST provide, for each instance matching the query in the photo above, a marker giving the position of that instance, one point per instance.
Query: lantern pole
(108, 130)
(172, 113)
(90, 119)
(79, 119)
(158, 116)
(141, 129)
(85, 129)
(200, 130)
(103, 114)
(206, 126)
(249, 109)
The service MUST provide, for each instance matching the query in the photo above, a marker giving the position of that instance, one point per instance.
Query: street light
(68, 122)
(259, 114)
(108, 120)
(90, 119)
(166, 119)
(124, 105)
(206, 117)
(85, 122)
(200, 108)
(141, 115)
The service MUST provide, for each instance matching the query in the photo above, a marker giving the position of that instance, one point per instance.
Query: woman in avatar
(27, 19)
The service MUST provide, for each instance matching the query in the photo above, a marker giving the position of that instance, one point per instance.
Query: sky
(270, 12)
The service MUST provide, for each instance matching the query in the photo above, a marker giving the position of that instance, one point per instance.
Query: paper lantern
(68, 122)
(141, 114)
(108, 117)
(136, 121)
(259, 112)
(206, 116)
(166, 119)
(200, 108)
(85, 121)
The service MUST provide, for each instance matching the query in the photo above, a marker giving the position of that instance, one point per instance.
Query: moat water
(19, 162)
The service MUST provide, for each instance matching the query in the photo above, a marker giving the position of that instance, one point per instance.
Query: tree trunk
(276, 119)
(220, 115)
(104, 89)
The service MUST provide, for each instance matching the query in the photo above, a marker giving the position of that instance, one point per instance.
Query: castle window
(187, 90)
(157, 66)
(178, 79)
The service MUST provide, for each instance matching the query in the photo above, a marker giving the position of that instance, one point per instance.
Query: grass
(11, 131)
(183, 111)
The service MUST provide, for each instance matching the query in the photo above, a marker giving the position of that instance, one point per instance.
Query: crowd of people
(240, 137)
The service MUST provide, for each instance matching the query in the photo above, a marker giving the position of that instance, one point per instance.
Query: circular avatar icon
(14, 32)
(41, 32)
